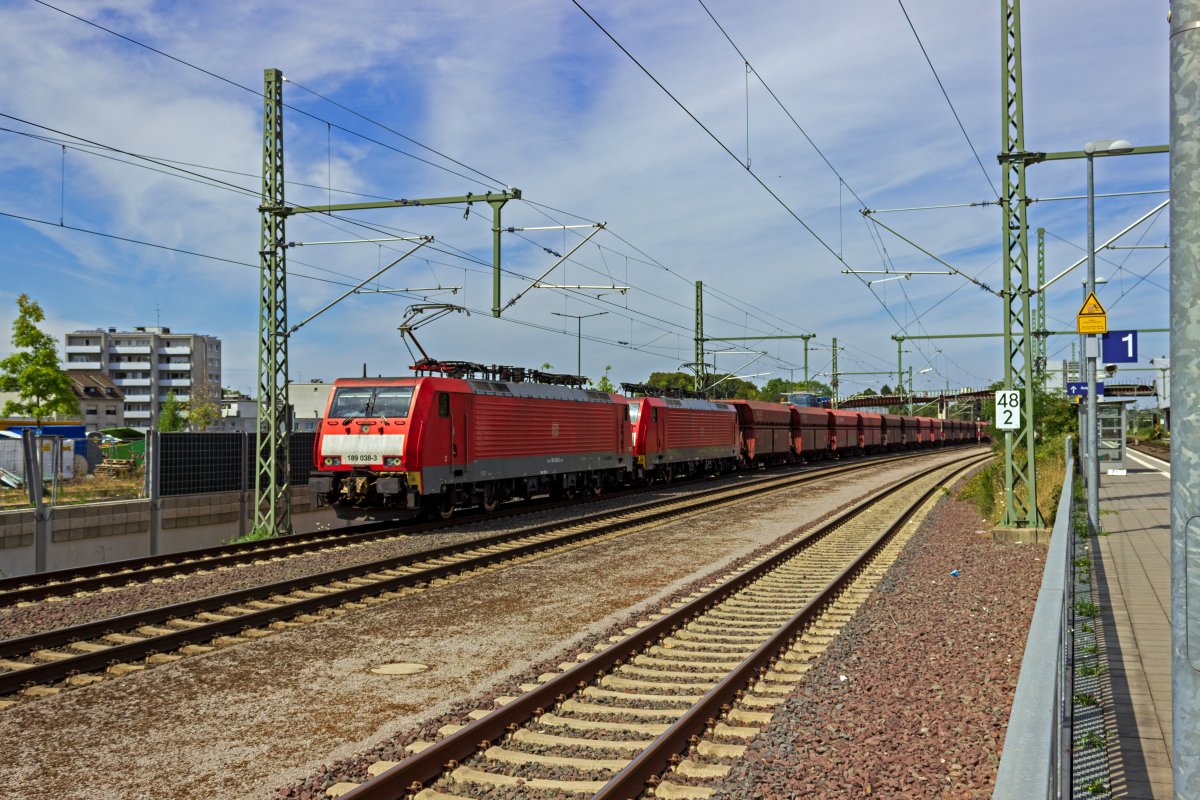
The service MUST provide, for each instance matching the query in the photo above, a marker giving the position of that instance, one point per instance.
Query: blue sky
(533, 95)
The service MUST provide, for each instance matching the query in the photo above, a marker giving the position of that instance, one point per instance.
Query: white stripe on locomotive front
(378, 445)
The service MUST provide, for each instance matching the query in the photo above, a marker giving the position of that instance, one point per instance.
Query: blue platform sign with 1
(1008, 409)
(1119, 347)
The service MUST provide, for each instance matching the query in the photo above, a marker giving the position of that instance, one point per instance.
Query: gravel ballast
(912, 700)
(244, 721)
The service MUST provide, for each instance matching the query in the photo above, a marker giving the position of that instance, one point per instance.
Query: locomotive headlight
(332, 461)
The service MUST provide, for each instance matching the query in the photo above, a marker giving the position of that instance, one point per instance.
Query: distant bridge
(883, 401)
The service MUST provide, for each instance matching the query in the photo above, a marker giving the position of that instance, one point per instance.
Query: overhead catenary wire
(838, 254)
(258, 93)
(946, 95)
(299, 110)
(713, 289)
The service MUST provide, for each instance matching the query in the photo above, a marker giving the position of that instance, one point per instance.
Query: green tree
(816, 387)
(170, 415)
(724, 388)
(775, 388)
(43, 388)
(885, 389)
(203, 410)
(604, 384)
(671, 380)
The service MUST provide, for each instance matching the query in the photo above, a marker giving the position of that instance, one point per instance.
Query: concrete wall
(96, 533)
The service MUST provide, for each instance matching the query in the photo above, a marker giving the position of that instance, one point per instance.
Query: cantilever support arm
(941, 261)
(348, 292)
(537, 281)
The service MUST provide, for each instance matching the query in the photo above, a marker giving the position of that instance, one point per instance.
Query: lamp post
(1102, 147)
(1084, 429)
(579, 318)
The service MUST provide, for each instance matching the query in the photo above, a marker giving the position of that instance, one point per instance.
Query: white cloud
(533, 94)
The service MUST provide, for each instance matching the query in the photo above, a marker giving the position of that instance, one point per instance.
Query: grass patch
(252, 536)
(1086, 608)
(1086, 699)
(1092, 740)
(1097, 787)
(93, 489)
(986, 487)
(1093, 670)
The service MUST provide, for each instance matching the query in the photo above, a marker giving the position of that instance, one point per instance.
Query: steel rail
(86, 662)
(31, 588)
(419, 769)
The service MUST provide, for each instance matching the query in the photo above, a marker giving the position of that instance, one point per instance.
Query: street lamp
(1109, 147)
(579, 318)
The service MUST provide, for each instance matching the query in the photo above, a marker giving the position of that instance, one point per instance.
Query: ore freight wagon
(766, 431)
(810, 433)
(845, 438)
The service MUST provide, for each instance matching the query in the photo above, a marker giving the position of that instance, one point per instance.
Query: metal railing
(1036, 761)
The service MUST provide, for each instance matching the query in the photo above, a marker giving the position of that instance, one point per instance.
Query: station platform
(1133, 572)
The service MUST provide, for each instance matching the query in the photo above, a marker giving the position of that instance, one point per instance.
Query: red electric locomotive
(394, 447)
(681, 436)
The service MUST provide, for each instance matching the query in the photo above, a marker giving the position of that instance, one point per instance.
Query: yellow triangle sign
(1091, 307)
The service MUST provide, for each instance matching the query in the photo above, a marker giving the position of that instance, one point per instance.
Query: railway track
(130, 572)
(672, 705)
(1156, 449)
(45, 663)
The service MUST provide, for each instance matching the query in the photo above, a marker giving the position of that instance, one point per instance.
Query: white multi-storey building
(149, 363)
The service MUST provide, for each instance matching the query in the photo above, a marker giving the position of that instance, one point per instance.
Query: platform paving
(1133, 571)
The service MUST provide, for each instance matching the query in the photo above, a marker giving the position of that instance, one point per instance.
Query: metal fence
(197, 463)
(1036, 761)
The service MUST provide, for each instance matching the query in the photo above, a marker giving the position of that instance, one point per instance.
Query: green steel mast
(1020, 479)
(272, 507)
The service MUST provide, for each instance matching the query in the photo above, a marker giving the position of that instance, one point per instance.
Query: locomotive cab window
(633, 412)
(443, 404)
(371, 401)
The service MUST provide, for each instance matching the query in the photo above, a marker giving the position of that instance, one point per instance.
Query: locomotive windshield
(634, 410)
(371, 401)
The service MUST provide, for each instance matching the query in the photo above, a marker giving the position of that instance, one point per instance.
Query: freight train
(390, 448)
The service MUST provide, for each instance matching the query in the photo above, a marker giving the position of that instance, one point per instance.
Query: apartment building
(148, 363)
(101, 403)
(308, 401)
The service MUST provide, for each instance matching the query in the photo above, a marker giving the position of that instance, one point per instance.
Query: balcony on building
(129, 365)
(182, 398)
(123, 382)
(175, 351)
(90, 365)
(137, 414)
(137, 398)
(83, 348)
(130, 349)
(174, 382)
